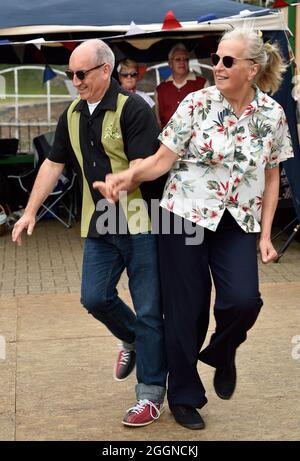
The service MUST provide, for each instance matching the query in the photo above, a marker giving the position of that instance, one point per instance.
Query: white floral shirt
(222, 158)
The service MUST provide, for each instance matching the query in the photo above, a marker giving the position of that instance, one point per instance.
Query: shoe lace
(124, 356)
(140, 406)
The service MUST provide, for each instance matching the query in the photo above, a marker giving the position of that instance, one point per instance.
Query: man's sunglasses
(81, 74)
(228, 61)
(129, 74)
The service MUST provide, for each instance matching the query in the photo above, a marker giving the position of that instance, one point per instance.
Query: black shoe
(187, 417)
(224, 382)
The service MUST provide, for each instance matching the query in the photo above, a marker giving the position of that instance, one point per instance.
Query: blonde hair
(267, 55)
(127, 63)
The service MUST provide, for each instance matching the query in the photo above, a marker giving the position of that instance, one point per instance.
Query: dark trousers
(229, 257)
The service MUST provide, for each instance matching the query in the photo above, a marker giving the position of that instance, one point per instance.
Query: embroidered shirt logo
(112, 132)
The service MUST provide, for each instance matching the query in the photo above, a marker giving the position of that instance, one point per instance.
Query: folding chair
(63, 195)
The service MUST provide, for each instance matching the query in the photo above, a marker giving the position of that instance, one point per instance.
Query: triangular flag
(37, 42)
(20, 51)
(134, 29)
(164, 72)
(37, 56)
(280, 4)
(142, 70)
(48, 74)
(170, 22)
(207, 17)
(69, 45)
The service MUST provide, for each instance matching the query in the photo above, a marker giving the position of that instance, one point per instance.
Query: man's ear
(106, 70)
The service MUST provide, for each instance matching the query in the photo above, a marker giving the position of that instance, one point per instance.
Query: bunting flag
(134, 29)
(142, 70)
(20, 51)
(38, 56)
(164, 72)
(207, 17)
(170, 22)
(37, 42)
(280, 4)
(48, 74)
(69, 45)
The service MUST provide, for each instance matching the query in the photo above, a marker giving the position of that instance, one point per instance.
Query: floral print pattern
(222, 158)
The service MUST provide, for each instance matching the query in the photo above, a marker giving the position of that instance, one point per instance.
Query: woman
(223, 146)
(128, 72)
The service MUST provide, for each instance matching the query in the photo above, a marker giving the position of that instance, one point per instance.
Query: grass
(31, 82)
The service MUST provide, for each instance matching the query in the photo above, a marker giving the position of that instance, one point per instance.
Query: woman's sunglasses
(129, 74)
(80, 74)
(228, 61)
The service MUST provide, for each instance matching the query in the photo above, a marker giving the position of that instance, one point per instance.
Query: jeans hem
(150, 392)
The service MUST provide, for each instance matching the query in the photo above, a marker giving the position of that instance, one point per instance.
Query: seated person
(181, 82)
(128, 71)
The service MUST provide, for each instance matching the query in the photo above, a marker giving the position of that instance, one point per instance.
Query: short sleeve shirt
(139, 133)
(222, 158)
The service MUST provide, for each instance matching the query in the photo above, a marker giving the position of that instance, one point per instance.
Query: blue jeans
(104, 260)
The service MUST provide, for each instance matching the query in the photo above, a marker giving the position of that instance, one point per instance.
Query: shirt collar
(190, 76)
(108, 102)
(261, 99)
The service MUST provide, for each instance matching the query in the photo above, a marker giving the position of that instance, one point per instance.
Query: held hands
(115, 183)
(267, 251)
(25, 222)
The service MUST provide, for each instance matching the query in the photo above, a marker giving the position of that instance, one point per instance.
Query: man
(128, 72)
(106, 130)
(181, 82)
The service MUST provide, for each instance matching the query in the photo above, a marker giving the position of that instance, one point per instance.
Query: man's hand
(27, 221)
(267, 251)
(115, 183)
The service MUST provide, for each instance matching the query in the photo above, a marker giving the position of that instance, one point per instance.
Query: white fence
(23, 129)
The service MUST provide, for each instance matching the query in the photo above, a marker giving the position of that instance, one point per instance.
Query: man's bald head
(96, 51)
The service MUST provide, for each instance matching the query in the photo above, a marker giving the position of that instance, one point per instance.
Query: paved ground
(56, 361)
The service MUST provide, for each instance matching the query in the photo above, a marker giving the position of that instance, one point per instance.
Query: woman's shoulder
(204, 94)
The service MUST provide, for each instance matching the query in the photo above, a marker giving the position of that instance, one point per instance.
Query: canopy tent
(56, 26)
(107, 14)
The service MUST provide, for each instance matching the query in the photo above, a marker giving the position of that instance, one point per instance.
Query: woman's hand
(267, 251)
(116, 183)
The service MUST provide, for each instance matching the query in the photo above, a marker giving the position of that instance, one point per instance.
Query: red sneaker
(125, 364)
(142, 413)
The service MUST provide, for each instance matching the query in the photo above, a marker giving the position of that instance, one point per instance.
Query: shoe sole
(223, 397)
(143, 424)
(191, 426)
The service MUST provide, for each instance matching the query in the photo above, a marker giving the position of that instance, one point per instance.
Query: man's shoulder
(164, 85)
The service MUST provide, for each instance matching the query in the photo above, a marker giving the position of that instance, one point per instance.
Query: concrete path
(56, 365)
